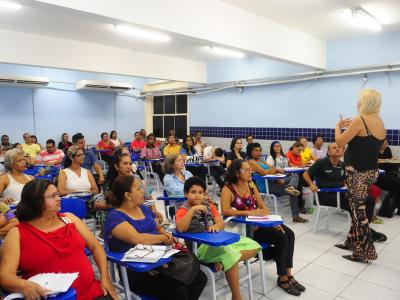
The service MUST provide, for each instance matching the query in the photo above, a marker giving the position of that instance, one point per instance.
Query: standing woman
(364, 136)
(64, 144)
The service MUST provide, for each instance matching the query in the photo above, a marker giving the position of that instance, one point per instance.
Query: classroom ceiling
(323, 18)
(320, 18)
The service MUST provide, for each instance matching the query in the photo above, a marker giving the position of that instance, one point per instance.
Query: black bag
(184, 268)
(388, 206)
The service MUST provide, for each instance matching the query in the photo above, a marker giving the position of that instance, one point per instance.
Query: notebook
(55, 282)
(269, 218)
(148, 253)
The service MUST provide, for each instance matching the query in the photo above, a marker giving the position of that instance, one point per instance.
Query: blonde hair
(369, 102)
(10, 158)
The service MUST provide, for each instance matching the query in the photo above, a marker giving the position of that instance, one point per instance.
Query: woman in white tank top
(74, 178)
(12, 183)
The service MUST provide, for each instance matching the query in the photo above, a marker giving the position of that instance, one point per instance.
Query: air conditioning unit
(24, 81)
(104, 86)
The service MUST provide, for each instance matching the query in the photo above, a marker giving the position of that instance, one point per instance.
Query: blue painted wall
(60, 108)
(311, 104)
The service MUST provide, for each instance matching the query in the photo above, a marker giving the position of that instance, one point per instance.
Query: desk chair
(338, 209)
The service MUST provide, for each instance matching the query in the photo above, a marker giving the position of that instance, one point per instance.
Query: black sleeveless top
(362, 151)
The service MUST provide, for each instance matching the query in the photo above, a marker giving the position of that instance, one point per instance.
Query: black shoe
(296, 284)
(288, 287)
(377, 236)
(354, 258)
(342, 246)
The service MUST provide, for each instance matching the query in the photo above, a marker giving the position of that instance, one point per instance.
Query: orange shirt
(294, 159)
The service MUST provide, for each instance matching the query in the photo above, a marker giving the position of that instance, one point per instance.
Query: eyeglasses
(79, 155)
(51, 197)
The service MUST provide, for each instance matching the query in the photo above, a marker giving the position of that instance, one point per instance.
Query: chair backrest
(76, 206)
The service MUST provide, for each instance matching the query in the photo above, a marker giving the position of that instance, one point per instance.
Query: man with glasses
(90, 162)
(51, 156)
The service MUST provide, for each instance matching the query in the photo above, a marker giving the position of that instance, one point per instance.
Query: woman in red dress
(47, 241)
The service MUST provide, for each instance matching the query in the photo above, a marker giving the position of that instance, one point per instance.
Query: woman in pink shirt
(152, 151)
(106, 147)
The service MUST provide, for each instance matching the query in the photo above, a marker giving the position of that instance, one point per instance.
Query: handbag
(184, 268)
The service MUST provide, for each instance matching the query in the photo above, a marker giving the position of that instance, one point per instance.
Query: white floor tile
(360, 289)
(321, 240)
(298, 264)
(334, 261)
(306, 252)
(388, 260)
(381, 276)
(311, 293)
(324, 279)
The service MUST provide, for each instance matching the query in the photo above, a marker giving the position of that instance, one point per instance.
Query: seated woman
(115, 140)
(152, 151)
(47, 241)
(35, 141)
(12, 183)
(217, 169)
(280, 187)
(307, 156)
(187, 150)
(74, 178)
(131, 223)
(64, 144)
(236, 152)
(294, 155)
(175, 175)
(7, 220)
(197, 214)
(123, 167)
(106, 147)
(240, 197)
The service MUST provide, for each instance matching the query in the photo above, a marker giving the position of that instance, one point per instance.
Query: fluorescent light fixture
(362, 18)
(141, 33)
(226, 52)
(9, 5)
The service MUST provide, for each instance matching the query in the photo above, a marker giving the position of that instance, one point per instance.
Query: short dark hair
(218, 152)
(15, 145)
(76, 137)
(51, 141)
(151, 135)
(233, 171)
(194, 181)
(137, 132)
(251, 147)
(233, 142)
(32, 199)
(103, 134)
(121, 185)
(314, 139)
(4, 136)
(249, 135)
(34, 136)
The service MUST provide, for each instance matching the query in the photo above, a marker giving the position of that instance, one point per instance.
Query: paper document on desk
(269, 218)
(55, 282)
(148, 253)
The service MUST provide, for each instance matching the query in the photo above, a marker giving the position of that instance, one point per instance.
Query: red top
(135, 144)
(294, 159)
(61, 250)
(104, 146)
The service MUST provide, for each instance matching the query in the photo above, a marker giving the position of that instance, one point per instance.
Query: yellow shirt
(305, 155)
(32, 150)
(171, 149)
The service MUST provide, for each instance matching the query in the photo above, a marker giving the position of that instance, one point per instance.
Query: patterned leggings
(359, 238)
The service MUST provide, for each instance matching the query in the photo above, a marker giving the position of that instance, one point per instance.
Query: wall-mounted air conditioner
(24, 81)
(104, 86)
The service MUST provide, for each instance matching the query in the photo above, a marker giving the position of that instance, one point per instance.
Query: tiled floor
(321, 268)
